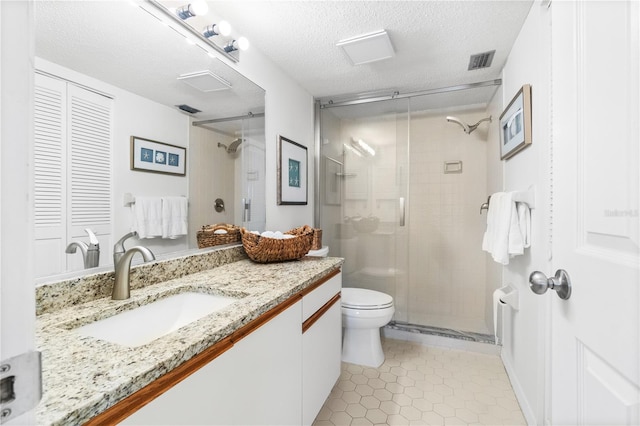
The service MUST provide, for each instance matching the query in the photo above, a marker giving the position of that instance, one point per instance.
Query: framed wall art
(515, 124)
(292, 172)
(157, 157)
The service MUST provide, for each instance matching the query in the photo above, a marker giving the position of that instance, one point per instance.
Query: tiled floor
(421, 385)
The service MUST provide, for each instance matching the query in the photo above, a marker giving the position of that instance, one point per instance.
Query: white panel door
(595, 357)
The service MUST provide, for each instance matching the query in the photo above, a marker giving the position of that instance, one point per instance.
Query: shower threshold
(442, 332)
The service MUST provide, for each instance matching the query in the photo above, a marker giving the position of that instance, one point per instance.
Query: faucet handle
(93, 240)
(119, 246)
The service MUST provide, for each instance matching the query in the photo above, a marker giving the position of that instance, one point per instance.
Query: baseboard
(527, 412)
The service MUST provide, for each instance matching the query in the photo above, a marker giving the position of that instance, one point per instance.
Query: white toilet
(363, 313)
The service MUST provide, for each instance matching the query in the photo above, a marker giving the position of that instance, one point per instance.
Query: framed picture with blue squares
(292, 172)
(157, 157)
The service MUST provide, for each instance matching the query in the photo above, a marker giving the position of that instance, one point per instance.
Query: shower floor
(442, 332)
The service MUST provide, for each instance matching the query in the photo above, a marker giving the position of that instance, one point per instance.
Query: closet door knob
(539, 283)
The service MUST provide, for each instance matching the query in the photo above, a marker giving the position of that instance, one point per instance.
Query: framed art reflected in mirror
(157, 157)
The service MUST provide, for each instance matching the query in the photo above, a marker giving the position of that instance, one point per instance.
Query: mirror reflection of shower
(233, 146)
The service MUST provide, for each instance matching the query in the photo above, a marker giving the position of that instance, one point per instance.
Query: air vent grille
(481, 60)
(187, 108)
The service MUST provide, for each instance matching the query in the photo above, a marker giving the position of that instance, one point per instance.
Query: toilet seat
(363, 299)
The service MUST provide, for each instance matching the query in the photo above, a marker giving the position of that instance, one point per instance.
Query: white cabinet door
(321, 352)
(256, 382)
(204, 398)
(595, 353)
(268, 362)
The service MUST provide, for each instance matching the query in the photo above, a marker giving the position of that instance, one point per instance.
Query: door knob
(539, 283)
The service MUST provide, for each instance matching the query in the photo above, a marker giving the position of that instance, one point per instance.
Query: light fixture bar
(192, 30)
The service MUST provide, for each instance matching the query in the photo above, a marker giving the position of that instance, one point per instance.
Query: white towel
(508, 228)
(147, 217)
(496, 237)
(524, 220)
(174, 217)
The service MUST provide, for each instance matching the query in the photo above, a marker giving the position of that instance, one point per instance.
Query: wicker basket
(265, 250)
(317, 239)
(208, 238)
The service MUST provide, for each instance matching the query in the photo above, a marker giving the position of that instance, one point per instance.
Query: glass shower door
(364, 171)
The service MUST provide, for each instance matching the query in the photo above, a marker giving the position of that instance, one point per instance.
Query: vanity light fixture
(198, 7)
(363, 147)
(241, 43)
(353, 150)
(221, 28)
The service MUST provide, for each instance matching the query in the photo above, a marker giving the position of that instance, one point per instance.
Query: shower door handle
(402, 211)
(246, 209)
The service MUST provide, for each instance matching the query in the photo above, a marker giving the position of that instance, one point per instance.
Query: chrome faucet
(121, 286)
(118, 248)
(90, 252)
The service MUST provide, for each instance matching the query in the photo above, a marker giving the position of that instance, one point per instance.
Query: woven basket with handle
(208, 238)
(265, 250)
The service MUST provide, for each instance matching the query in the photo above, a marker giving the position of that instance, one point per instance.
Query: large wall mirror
(129, 71)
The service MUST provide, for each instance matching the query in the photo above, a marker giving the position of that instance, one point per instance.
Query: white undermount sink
(146, 323)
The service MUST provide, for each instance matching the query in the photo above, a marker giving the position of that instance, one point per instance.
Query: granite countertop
(83, 376)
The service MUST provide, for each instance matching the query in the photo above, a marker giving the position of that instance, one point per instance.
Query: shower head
(467, 128)
(233, 146)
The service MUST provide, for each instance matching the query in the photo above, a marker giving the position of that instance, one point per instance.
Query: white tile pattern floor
(422, 385)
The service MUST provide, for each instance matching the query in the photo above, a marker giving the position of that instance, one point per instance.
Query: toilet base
(362, 346)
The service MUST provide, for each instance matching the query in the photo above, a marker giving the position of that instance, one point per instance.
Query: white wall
(134, 115)
(289, 113)
(524, 342)
(17, 293)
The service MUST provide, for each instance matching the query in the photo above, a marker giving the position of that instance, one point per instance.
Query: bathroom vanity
(270, 357)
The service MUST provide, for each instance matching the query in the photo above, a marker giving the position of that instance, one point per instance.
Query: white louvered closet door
(89, 170)
(72, 164)
(50, 180)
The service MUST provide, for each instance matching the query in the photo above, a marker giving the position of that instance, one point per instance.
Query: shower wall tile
(447, 283)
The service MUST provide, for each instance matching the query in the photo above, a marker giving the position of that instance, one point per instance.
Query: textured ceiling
(433, 40)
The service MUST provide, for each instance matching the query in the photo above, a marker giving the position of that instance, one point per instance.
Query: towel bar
(528, 197)
(128, 199)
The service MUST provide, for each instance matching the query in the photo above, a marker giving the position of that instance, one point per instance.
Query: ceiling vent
(188, 109)
(481, 60)
(367, 48)
(205, 81)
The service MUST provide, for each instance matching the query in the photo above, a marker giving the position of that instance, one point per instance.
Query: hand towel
(174, 217)
(516, 241)
(524, 220)
(147, 217)
(496, 237)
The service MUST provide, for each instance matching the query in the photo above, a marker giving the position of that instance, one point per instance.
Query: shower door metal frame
(356, 100)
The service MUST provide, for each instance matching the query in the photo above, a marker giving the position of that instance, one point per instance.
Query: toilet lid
(360, 298)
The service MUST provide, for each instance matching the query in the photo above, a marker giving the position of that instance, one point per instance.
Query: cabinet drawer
(314, 300)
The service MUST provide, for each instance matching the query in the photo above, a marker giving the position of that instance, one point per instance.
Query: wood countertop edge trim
(319, 313)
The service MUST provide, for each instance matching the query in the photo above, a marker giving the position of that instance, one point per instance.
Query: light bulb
(243, 43)
(199, 7)
(224, 27)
